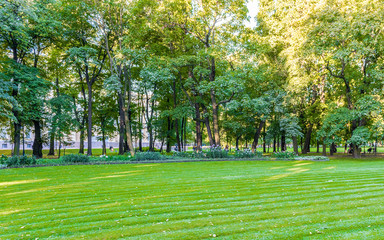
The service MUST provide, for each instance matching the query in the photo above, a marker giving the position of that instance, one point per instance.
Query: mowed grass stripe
(172, 179)
(221, 223)
(223, 201)
(238, 196)
(182, 226)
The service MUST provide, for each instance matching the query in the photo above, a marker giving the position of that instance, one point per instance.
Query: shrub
(113, 158)
(142, 156)
(20, 161)
(146, 149)
(75, 158)
(284, 155)
(247, 153)
(313, 158)
(3, 159)
(182, 154)
(47, 161)
(199, 154)
(216, 152)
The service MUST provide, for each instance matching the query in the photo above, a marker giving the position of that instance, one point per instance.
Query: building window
(29, 145)
(5, 145)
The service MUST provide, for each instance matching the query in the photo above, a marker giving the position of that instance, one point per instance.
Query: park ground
(337, 199)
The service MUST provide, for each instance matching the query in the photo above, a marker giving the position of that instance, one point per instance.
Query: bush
(182, 154)
(146, 149)
(313, 158)
(75, 158)
(190, 155)
(3, 159)
(142, 156)
(20, 161)
(114, 158)
(247, 153)
(199, 154)
(216, 152)
(284, 155)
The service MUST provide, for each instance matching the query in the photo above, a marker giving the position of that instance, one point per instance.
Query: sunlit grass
(228, 200)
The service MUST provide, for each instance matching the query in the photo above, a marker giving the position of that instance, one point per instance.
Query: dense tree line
(309, 73)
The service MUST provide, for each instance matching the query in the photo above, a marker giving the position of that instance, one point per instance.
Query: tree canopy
(182, 72)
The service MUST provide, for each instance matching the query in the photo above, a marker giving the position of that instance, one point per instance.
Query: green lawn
(339, 199)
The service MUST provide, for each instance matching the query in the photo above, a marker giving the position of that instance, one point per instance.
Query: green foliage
(146, 149)
(113, 158)
(75, 158)
(284, 155)
(216, 152)
(143, 156)
(3, 159)
(178, 154)
(20, 161)
(313, 158)
(360, 136)
(247, 153)
(190, 155)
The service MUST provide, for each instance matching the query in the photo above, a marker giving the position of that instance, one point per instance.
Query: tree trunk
(128, 133)
(16, 138)
(89, 131)
(295, 145)
(307, 140)
(38, 142)
(264, 143)
(274, 144)
(215, 121)
(168, 134)
(257, 135)
(356, 151)
(215, 106)
(59, 147)
(317, 146)
(51, 144)
(237, 142)
(177, 135)
(121, 124)
(104, 151)
(301, 144)
(185, 134)
(283, 144)
(324, 148)
(209, 132)
(176, 120)
(207, 125)
(198, 128)
(82, 138)
(331, 149)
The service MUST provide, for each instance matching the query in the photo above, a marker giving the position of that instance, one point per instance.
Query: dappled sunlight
(107, 205)
(302, 164)
(294, 171)
(327, 168)
(134, 171)
(4, 213)
(298, 169)
(21, 182)
(277, 167)
(60, 187)
(147, 165)
(116, 176)
(278, 176)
